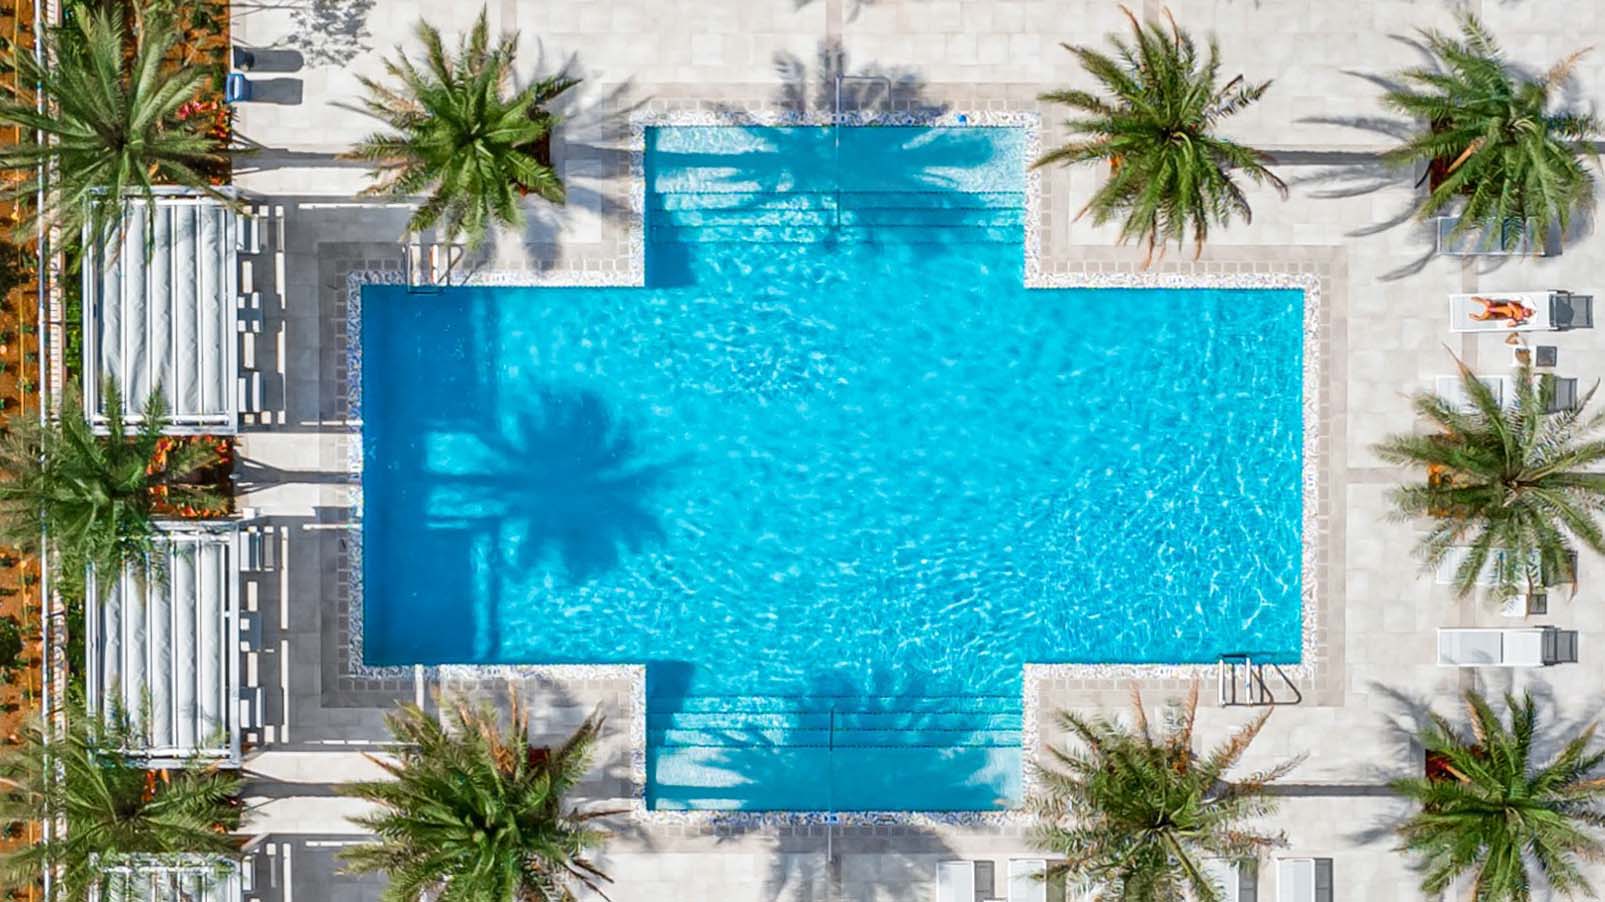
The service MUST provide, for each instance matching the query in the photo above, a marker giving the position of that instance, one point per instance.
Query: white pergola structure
(169, 878)
(163, 647)
(161, 312)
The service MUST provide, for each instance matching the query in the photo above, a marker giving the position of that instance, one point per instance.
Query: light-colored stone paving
(1321, 116)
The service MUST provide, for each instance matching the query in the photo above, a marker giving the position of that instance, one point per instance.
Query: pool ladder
(430, 263)
(1256, 691)
(836, 128)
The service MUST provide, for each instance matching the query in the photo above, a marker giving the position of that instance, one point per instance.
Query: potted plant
(11, 644)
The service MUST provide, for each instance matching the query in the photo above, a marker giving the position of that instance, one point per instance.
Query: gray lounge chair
(1240, 879)
(1560, 394)
(1560, 646)
(1510, 237)
(1558, 574)
(1571, 311)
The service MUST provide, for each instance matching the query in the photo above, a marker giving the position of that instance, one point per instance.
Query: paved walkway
(1321, 116)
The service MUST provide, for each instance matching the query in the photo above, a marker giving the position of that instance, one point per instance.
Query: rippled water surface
(835, 450)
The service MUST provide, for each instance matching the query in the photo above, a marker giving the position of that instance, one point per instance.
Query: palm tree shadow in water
(865, 862)
(847, 162)
(563, 480)
(807, 749)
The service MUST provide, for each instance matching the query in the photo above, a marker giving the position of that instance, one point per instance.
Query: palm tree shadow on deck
(593, 141)
(330, 32)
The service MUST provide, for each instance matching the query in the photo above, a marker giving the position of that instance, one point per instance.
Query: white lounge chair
(955, 881)
(1553, 311)
(1505, 647)
(1450, 564)
(1304, 880)
(1230, 877)
(1541, 303)
(1028, 880)
(1451, 389)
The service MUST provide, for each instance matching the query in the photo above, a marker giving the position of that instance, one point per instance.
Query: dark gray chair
(1559, 574)
(1323, 880)
(1560, 646)
(1569, 311)
(1247, 881)
(1560, 394)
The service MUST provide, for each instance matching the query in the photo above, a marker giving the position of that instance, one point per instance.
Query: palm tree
(1491, 138)
(1510, 483)
(1487, 808)
(109, 805)
(456, 132)
(111, 128)
(92, 494)
(1170, 173)
(1133, 812)
(474, 811)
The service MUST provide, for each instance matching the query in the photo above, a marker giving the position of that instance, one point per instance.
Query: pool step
(953, 721)
(921, 217)
(853, 217)
(771, 778)
(833, 200)
(861, 704)
(734, 723)
(840, 235)
(834, 753)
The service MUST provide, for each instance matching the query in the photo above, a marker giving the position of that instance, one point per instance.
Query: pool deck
(1386, 335)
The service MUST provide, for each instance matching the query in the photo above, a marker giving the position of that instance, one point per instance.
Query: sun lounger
(1507, 238)
(1557, 574)
(1451, 389)
(955, 881)
(1461, 308)
(1235, 878)
(1449, 565)
(1510, 647)
(1560, 394)
(236, 88)
(1524, 604)
(1304, 880)
(1553, 311)
(1027, 880)
(1569, 310)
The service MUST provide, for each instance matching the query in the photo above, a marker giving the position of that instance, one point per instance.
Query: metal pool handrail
(1254, 678)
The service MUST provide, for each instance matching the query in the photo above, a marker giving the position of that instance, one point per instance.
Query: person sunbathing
(1514, 311)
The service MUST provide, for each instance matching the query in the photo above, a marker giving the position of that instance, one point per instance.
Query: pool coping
(1033, 675)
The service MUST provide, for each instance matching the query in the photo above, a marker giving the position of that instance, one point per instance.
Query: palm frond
(111, 806)
(1501, 153)
(112, 129)
(1135, 810)
(476, 811)
(458, 135)
(1509, 484)
(1497, 810)
(1172, 177)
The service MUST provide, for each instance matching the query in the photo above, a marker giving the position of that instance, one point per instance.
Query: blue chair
(236, 88)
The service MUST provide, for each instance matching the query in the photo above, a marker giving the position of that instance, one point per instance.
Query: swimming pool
(834, 475)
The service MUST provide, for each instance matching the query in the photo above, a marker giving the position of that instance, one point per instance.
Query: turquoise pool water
(834, 475)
